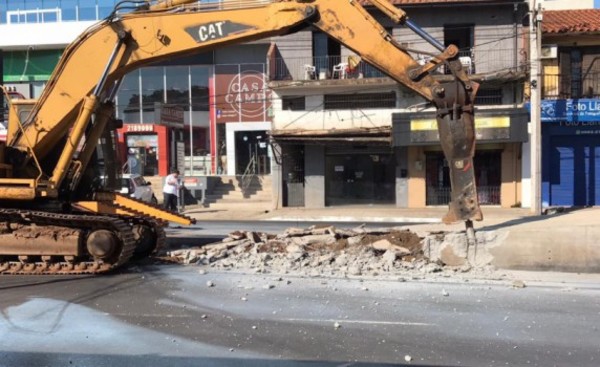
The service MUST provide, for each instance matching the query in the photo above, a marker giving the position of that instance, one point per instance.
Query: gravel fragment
(518, 284)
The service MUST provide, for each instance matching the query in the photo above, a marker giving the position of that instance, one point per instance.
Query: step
(241, 206)
(252, 189)
(214, 199)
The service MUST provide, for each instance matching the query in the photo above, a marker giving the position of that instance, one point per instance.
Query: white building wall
(40, 35)
(526, 175)
(332, 119)
(565, 4)
(230, 129)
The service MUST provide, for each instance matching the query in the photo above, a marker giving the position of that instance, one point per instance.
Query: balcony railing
(487, 195)
(477, 60)
(321, 68)
(43, 11)
(566, 86)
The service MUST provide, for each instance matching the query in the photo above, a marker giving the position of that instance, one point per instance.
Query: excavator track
(157, 237)
(74, 265)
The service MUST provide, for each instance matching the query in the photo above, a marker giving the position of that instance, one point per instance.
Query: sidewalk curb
(353, 219)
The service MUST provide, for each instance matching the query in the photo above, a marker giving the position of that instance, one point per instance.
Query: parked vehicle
(137, 187)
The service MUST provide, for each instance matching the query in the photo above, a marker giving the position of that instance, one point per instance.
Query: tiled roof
(571, 21)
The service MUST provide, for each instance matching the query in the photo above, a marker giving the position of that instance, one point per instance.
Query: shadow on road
(191, 240)
(60, 359)
(530, 219)
(14, 282)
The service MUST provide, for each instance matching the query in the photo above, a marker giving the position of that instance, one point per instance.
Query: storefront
(240, 119)
(153, 149)
(499, 133)
(571, 152)
(359, 175)
(350, 168)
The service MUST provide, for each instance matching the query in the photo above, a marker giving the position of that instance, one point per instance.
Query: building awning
(29, 66)
(503, 125)
(371, 135)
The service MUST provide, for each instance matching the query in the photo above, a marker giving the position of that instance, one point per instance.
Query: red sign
(138, 128)
(241, 93)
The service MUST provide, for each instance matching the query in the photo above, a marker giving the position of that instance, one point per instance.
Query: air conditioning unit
(549, 52)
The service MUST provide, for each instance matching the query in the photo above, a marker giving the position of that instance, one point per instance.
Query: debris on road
(330, 251)
(518, 284)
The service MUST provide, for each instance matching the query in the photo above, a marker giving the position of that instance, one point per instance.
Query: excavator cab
(15, 108)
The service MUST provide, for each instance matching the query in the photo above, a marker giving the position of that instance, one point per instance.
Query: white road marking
(367, 322)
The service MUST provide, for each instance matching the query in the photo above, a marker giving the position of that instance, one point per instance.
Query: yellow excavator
(56, 219)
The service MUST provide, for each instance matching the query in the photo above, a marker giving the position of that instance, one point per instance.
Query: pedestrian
(171, 190)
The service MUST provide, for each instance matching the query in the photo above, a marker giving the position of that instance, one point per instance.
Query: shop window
(364, 178)
(462, 36)
(576, 71)
(326, 53)
(178, 86)
(105, 7)
(293, 176)
(489, 97)
(487, 177)
(142, 154)
(153, 91)
(128, 98)
(69, 9)
(359, 101)
(200, 92)
(437, 179)
(293, 103)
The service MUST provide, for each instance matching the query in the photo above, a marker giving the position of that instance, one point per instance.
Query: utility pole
(535, 47)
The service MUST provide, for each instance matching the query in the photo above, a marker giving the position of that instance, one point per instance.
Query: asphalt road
(155, 315)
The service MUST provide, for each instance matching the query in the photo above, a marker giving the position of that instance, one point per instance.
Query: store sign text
(139, 128)
(569, 110)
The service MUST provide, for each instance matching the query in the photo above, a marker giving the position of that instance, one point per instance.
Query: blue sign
(570, 110)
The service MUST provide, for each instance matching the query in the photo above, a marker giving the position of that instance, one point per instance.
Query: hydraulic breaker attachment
(456, 127)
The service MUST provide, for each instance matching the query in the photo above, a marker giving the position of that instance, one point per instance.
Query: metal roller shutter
(574, 171)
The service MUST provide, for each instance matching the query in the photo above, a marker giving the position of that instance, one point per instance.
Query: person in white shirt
(171, 190)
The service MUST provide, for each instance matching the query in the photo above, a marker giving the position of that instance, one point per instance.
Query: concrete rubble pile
(330, 251)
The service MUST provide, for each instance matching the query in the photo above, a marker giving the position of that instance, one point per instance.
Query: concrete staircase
(227, 193)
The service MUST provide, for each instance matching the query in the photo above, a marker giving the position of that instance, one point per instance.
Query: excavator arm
(86, 78)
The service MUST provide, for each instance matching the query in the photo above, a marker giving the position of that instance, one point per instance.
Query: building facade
(332, 129)
(571, 108)
(348, 135)
(209, 131)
